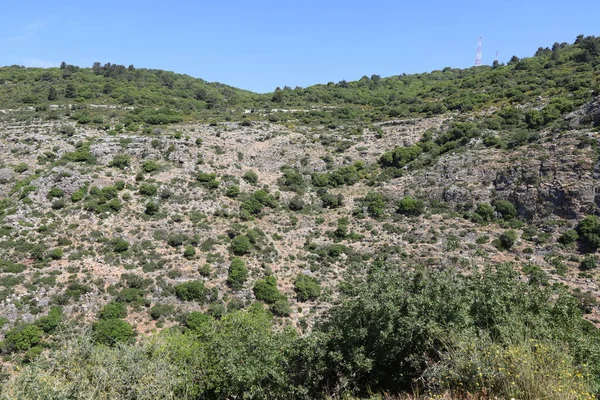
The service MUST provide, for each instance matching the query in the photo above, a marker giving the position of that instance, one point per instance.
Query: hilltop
(412, 233)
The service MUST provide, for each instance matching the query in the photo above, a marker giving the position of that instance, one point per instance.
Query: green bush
(589, 231)
(485, 211)
(51, 321)
(161, 310)
(22, 337)
(507, 239)
(112, 331)
(120, 245)
(188, 291)
(250, 177)
(120, 161)
(568, 237)
(238, 274)
(266, 290)
(410, 206)
(113, 310)
(241, 245)
(150, 166)
(189, 252)
(148, 189)
(505, 208)
(307, 287)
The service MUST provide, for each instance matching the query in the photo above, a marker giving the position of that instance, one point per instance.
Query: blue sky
(259, 45)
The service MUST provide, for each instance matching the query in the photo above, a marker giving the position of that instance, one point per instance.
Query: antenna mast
(478, 58)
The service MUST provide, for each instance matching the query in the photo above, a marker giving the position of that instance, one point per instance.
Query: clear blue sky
(258, 45)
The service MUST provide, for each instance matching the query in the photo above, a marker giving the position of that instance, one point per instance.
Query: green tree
(307, 287)
(113, 310)
(266, 290)
(22, 337)
(410, 206)
(241, 245)
(589, 231)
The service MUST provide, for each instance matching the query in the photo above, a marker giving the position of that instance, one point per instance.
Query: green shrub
(588, 263)
(307, 287)
(22, 337)
(232, 191)
(51, 321)
(120, 161)
(507, 239)
(150, 166)
(410, 206)
(188, 291)
(161, 310)
(505, 208)
(112, 331)
(568, 237)
(151, 208)
(56, 254)
(238, 274)
(148, 189)
(241, 245)
(485, 211)
(113, 310)
(120, 245)
(266, 290)
(250, 177)
(189, 252)
(589, 231)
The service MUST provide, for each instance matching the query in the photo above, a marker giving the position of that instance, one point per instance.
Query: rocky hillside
(146, 212)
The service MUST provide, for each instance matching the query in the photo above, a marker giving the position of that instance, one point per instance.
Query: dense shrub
(22, 337)
(238, 273)
(112, 331)
(306, 287)
(241, 245)
(188, 291)
(113, 310)
(266, 290)
(410, 206)
(589, 231)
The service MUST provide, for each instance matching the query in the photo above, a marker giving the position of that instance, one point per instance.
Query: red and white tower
(478, 58)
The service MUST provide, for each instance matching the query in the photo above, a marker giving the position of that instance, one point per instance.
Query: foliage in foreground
(440, 332)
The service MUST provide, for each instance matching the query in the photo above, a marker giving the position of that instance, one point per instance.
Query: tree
(120, 161)
(238, 273)
(251, 177)
(70, 91)
(52, 93)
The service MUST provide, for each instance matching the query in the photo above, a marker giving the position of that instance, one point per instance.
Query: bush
(120, 161)
(189, 252)
(232, 191)
(588, 263)
(238, 274)
(150, 166)
(113, 310)
(568, 237)
(410, 206)
(375, 203)
(505, 208)
(120, 245)
(296, 203)
(250, 177)
(161, 310)
(148, 189)
(112, 331)
(151, 208)
(241, 245)
(266, 290)
(22, 337)
(56, 254)
(50, 322)
(507, 239)
(307, 287)
(485, 211)
(281, 308)
(189, 291)
(589, 231)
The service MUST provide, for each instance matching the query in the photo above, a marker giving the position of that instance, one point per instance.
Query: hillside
(418, 234)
